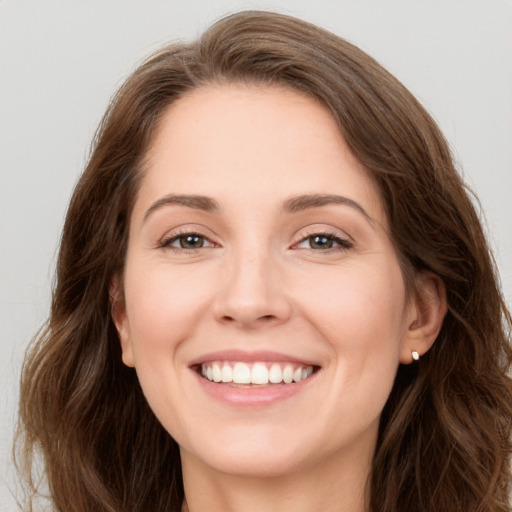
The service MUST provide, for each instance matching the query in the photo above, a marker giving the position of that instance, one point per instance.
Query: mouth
(254, 374)
(253, 379)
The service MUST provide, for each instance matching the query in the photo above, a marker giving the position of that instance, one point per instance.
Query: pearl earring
(415, 355)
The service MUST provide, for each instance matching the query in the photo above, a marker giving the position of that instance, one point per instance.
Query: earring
(415, 355)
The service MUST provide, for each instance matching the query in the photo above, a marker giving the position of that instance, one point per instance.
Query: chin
(252, 455)
(254, 465)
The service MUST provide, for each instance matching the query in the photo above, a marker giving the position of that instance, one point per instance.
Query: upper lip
(247, 356)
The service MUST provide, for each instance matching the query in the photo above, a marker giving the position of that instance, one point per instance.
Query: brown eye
(324, 241)
(186, 241)
(320, 242)
(191, 241)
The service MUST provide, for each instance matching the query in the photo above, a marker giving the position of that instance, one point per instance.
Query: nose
(253, 293)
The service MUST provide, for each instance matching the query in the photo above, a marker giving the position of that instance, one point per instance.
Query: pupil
(191, 241)
(321, 242)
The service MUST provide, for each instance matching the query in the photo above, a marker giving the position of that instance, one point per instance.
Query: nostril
(257, 320)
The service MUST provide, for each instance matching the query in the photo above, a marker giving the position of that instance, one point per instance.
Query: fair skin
(257, 241)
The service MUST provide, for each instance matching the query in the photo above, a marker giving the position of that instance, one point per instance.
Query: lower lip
(252, 396)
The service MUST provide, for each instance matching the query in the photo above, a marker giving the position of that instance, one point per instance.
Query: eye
(324, 242)
(186, 241)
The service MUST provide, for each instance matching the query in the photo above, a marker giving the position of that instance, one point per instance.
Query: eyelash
(166, 243)
(343, 244)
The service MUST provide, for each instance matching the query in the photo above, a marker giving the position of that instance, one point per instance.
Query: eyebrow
(304, 202)
(291, 205)
(203, 203)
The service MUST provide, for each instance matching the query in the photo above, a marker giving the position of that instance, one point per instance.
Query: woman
(272, 290)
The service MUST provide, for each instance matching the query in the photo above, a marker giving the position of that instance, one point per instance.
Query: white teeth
(241, 374)
(275, 374)
(288, 374)
(227, 373)
(216, 374)
(306, 372)
(259, 374)
(255, 373)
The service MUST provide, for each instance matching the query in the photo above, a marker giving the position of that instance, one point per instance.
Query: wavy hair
(444, 441)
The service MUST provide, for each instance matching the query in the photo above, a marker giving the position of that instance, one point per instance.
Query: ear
(120, 319)
(425, 316)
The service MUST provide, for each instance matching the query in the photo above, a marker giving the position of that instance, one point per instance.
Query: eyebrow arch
(304, 202)
(204, 203)
(292, 205)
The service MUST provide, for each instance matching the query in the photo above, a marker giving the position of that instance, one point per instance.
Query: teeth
(255, 373)
(259, 374)
(227, 373)
(241, 374)
(275, 374)
(216, 374)
(288, 374)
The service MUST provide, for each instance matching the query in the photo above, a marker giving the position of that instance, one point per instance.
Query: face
(264, 307)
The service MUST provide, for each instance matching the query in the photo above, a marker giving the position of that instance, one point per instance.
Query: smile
(258, 373)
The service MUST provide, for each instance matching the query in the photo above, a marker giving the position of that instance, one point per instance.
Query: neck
(335, 485)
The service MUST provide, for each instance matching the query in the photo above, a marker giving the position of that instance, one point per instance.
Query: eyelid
(343, 240)
(168, 241)
(174, 234)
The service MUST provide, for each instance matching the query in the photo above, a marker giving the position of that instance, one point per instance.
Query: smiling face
(264, 306)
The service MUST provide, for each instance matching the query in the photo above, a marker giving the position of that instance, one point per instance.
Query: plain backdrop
(61, 61)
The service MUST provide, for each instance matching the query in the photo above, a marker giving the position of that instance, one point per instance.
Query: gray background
(60, 62)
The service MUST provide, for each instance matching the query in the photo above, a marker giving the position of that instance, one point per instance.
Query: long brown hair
(444, 441)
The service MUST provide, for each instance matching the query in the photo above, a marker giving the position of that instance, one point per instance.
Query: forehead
(252, 143)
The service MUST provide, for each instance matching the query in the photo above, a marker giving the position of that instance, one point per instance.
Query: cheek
(163, 307)
(353, 303)
(360, 312)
